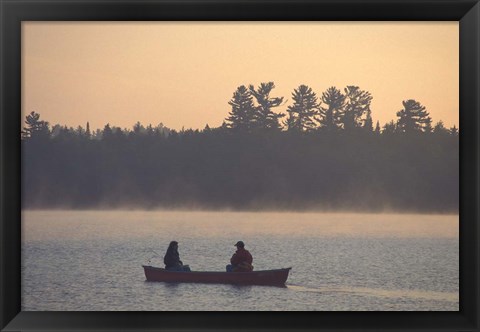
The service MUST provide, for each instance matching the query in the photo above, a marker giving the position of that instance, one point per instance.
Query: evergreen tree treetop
(303, 110)
(331, 114)
(35, 126)
(265, 118)
(357, 107)
(413, 117)
(242, 116)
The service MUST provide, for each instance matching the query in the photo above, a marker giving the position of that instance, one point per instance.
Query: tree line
(253, 110)
(323, 153)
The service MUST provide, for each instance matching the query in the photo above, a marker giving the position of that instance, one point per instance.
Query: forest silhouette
(324, 153)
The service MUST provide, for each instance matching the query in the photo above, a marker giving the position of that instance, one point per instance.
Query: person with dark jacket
(172, 259)
(241, 260)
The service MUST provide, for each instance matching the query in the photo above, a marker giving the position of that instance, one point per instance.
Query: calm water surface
(91, 260)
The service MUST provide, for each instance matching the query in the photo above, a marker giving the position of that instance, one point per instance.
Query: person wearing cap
(172, 259)
(241, 260)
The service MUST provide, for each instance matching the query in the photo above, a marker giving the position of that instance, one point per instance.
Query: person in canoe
(172, 259)
(241, 260)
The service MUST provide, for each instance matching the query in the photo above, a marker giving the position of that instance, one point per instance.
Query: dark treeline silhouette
(323, 153)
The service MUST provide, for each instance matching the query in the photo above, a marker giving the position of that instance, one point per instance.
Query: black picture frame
(13, 12)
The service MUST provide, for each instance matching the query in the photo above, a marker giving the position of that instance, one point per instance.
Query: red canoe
(266, 277)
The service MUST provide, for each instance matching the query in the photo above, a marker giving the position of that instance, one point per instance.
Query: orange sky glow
(183, 74)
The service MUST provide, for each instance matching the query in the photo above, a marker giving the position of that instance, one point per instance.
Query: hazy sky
(184, 73)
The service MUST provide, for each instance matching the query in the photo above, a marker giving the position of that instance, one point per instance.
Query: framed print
(239, 165)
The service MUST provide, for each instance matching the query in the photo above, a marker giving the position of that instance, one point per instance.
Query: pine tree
(368, 123)
(390, 128)
(427, 128)
(242, 116)
(330, 115)
(265, 118)
(439, 129)
(107, 132)
(357, 105)
(80, 132)
(377, 128)
(304, 109)
(87, 132)
(453, 131)
(138, 128)
(35, 127)
(413, 117)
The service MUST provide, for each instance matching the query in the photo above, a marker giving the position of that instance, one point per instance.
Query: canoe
(266, 277)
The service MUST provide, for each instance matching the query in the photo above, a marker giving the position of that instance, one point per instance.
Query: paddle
(156, 253)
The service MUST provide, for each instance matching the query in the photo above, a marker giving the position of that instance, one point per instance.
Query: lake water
(91, 260)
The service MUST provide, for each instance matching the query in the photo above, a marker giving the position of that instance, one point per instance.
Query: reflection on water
(383, 293)
(91, 260)
(219, 224)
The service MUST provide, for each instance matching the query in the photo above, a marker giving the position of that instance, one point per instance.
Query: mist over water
(216, 169)
(91, 260)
